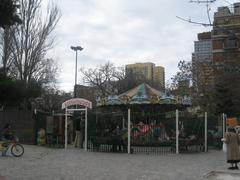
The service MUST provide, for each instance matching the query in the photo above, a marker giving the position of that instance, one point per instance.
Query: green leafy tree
(15, 93)
(227, 95)
(181, 82)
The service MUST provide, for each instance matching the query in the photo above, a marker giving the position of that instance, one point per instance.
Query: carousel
(141, 117)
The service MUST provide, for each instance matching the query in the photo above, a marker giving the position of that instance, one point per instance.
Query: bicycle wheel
(17, 150)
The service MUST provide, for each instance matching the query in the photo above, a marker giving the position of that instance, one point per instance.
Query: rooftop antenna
(208, 3)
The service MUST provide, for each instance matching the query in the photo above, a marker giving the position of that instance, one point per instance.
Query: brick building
(86, 92)
(225, 40)
(218, 51)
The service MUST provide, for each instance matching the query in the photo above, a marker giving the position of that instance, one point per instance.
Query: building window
(230, 44)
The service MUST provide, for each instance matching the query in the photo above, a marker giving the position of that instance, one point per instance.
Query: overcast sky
(125, 31)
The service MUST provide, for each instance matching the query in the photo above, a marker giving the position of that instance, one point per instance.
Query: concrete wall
(22, 123)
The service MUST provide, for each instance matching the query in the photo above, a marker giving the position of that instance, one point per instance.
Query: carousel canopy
(142, 94)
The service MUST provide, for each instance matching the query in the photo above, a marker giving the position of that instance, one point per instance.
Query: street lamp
(76, 48)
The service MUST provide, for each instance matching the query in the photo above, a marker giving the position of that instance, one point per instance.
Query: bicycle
(17, 149)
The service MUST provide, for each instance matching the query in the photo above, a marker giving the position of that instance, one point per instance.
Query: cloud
(123, 32)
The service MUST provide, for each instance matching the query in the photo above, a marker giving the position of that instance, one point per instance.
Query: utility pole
(76, 48)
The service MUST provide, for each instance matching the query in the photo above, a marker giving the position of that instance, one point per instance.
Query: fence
(149, 132)
(107, 132)
(203, 131)
(53, 125)
(216, 127)
(154, 133)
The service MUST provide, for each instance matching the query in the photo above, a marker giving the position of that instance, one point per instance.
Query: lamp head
(79, 48)
(75, 48)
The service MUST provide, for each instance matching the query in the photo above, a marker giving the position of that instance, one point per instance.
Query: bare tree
(51, 99)
(103, 77)
(111, 80)
(5, 53)
(31, 40)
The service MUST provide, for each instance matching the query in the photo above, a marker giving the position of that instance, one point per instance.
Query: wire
(198, 1)
(227, 2)
(208, 13)
(193, 22)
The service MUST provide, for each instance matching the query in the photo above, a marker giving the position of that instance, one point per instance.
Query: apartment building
(148, 71)
(202, 60)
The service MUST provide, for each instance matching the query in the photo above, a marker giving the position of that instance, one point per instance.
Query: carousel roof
(142, 94)
(142, 90)
(114, 100)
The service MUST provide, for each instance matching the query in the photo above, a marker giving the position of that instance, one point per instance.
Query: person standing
(232, 140)
(77, 137)
(82, 132)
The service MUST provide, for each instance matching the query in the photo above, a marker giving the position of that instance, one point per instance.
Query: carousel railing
(147, 138)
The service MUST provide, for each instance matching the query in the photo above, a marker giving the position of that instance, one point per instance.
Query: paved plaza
(39, 163)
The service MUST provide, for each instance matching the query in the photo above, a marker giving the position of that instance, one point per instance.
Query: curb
(212, 174)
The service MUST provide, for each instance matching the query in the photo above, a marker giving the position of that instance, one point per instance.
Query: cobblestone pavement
(39, 163)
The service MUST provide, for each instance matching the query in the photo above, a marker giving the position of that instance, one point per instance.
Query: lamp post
(76, 48)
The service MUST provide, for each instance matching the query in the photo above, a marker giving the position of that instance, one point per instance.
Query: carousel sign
(77, 101)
